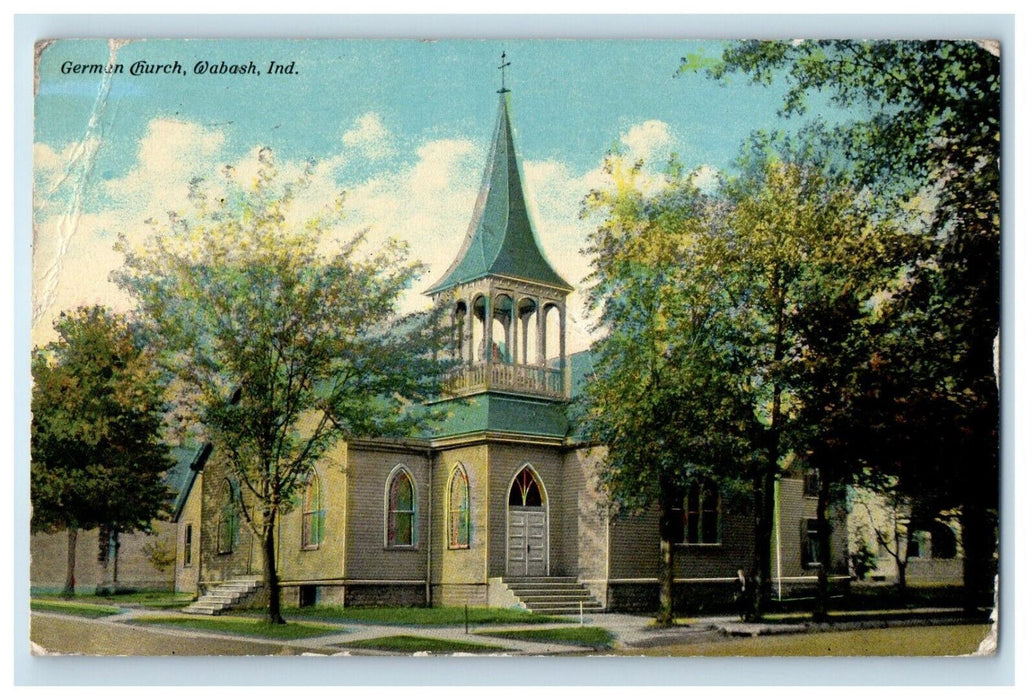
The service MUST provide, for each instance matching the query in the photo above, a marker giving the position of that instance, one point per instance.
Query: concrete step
(553, 595)
(510, 580)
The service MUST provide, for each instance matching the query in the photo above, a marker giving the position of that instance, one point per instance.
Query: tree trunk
(273, 585)
(70, 571)
(978, 539)
(824, 533)
(665, 568)
(754, 611)
(901, 578)
(115, 561)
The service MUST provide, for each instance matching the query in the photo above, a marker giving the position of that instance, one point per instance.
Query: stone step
(565, 610)
(512, 580)
(546, 590)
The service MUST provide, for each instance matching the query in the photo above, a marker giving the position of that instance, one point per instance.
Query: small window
(810, 543)
(459, 509)
(401, 510)
(307, 596)
(696, 519)
(313, 513)
(227, 526)
(188, 544)
(811, 483)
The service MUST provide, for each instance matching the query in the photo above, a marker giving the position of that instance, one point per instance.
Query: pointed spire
(500, 238)
(504, 63)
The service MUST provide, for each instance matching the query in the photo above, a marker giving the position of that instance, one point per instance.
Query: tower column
(489, 328)
(469, 333)
(512, 331)
(541, 334)
(561, 335)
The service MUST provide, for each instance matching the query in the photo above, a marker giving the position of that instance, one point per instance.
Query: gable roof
(500, 238)
(190, 459)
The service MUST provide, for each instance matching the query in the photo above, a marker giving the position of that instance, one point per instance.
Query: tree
(806, 260)
(929, 132)
(98, 458)
(665, 401)
(281, 351)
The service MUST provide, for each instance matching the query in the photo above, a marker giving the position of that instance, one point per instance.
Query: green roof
(490, 412)
(500, 238)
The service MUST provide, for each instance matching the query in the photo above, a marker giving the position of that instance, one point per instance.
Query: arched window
(313, 512)
(227, 523)
(525, 491)
(459, 509)
(401, 510)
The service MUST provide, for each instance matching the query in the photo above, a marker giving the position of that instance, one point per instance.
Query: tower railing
(504, 376)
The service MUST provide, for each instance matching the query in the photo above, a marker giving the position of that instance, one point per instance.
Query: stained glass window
(401, 515)
(313, 512)
(524, 490)
(696, 519)
(459, 509)
(227, 525)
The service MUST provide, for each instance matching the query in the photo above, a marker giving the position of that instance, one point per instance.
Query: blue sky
(401, 126)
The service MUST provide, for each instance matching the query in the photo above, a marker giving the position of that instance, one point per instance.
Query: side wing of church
(499, 504)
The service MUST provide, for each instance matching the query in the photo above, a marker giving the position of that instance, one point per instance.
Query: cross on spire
(504, 63)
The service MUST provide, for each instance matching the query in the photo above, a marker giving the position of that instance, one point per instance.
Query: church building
(499, 503)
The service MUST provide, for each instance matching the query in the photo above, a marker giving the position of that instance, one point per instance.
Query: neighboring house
(499, 491)
(932, 549)
(140, 561)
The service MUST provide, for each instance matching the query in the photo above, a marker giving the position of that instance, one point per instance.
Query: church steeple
(500, 238)
(507, 304)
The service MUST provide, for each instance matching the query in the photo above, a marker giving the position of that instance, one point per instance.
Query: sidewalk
(630, 632)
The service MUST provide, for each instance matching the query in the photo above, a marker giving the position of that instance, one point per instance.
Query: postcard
(515, 347)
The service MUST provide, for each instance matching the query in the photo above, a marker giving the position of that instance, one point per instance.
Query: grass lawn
(429, 617)
(149, 599)
(863, 616)
(408, 644)
(938, 640)
(244, 626)
(72, 607)
(594, 637)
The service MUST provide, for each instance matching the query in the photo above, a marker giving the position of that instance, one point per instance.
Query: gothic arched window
(227, 520)
(459, 509)
(313, 513)
(400, 510)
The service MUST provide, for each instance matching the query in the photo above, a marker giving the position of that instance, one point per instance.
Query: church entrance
(527, 539)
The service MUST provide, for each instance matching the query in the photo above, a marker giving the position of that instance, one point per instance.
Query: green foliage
(242, 626)
(668, 398)
(429, 617)
(97, 421)
(861, 559)
(68, 608)
(665, 399)
(161, 554)
(924, 137)
(594, 637)
(279, 349)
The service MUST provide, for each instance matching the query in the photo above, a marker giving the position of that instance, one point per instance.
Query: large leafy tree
(281, 350)
(666, 400)
(806, 261)
(924, 126)
(98, 458)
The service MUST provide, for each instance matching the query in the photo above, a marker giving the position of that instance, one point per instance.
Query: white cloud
(369, 136)
(427, 202)
(649, 140)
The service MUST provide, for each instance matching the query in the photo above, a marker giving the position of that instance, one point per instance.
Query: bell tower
(506, 303)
